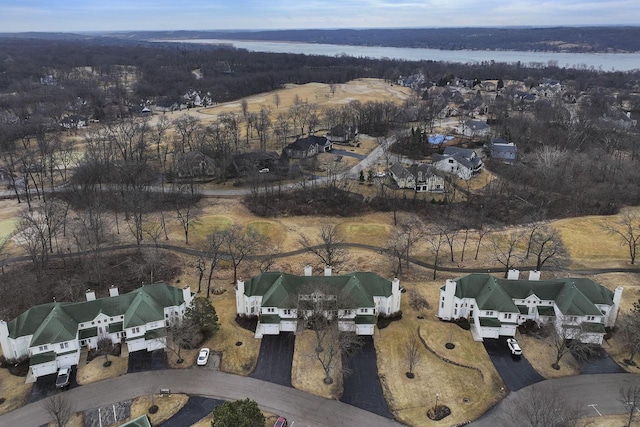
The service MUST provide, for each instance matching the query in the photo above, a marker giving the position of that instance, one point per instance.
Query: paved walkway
(305, 409)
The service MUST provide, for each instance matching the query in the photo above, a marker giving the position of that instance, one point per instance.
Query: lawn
(307, 373)
(13, 391)
(95, 371)
(468, 391)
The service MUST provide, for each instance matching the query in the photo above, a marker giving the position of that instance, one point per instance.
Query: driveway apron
(275, 359)
(516, 372)
(197, 408)
(362, 387)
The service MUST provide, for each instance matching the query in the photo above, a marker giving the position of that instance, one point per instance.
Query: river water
(598, 61)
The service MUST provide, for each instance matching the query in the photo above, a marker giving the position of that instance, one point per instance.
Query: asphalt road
(302, 408)
(598, 394)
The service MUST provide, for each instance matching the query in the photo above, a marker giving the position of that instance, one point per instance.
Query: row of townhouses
(52, 335)
(579, 308)
(283, 300)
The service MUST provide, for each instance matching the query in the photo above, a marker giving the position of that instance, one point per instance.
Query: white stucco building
(497, 306)
(356, 299)
(52, 335)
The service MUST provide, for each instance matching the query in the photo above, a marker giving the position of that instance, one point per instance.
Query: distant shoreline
(599, 61)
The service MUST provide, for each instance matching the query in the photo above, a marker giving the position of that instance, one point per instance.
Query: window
(489, 313)
(456, 305)
(271, 310)
(43, 348)
(136, 330)
(591, 318)
(455, 312)
(442, 305)
(93, 323)
(507, 315)
(287, 311)
(64, 345)
(471, 306)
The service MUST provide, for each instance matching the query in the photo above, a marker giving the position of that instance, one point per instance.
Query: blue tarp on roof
(438, 139)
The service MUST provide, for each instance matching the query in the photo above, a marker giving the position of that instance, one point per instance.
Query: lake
(598, 61)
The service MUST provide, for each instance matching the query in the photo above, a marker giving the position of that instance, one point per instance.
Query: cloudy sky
(106, 15)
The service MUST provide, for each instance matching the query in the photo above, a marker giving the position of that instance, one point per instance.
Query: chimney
(113, 291)
(91, 295)
(395, 285)
(308, 270)
(513, 274)
(186, 295)
(534, 275)
(240, 286)
(327, 271)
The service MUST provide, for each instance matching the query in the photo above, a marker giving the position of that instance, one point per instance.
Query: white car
(264, 170)
(203, 357)
(514, 347)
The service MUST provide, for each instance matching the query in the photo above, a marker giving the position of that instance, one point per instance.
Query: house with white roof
(280, 300)
(52, 335)
(495, 306)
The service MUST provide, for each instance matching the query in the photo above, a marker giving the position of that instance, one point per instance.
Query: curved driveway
(305, 409)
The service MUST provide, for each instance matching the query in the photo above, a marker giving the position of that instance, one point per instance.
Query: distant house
(196, 164)
(418, 177)
(280, 300)
(73, 122)
(496, 307)
(308, 147)
(461, 162)
(476, 128)
(342, 134)
(52, 335)
(501, 149)
(248, 163)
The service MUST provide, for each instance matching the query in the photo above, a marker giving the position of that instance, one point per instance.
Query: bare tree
(412, 354)
(628, 230)
(184, 334)
(187, 214)
(214, 245)
(327, 248)
(628, 327)
(505, 247)
(240, 244)
(450, 232)
(482, 231)
(60, 408)
(565, 337)
(546, 245)
(630, 398)
(417, 301)
(105, 346)
(533, 229)
(435, 238)
(540, 406)
(335, 343)
(276, 100)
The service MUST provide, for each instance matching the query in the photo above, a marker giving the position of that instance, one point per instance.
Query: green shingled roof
(39, 358)
(281, 289)
(575, 297)
(141, 421)
(58, 322)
